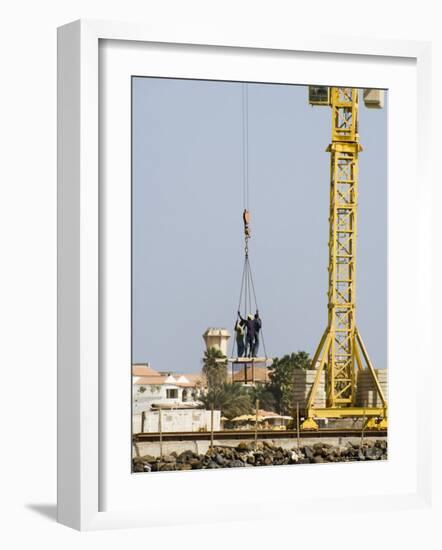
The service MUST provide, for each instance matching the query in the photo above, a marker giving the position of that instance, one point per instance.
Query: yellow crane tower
(341, 350)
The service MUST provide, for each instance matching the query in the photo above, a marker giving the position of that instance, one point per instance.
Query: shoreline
(250, 454)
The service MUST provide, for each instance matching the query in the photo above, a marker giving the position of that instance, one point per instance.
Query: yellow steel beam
(322, 352)
(342, 412)
(370, 368)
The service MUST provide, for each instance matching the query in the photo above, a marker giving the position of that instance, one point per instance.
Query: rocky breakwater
(263, 454)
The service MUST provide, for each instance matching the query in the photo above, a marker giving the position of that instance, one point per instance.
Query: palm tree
(214, 368)
(263, 394)
(232, 399)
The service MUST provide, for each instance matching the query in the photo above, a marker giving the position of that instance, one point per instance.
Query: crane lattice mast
(341, 349)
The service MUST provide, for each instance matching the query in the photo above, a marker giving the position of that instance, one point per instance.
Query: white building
(167, 402)
(152, 389)
(176, 420)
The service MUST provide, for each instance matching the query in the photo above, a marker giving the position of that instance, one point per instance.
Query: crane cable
(245, 144)
(247, 284)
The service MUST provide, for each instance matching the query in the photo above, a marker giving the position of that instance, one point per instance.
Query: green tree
(282, 379)
(214, 368)
(232, 399)
(263, 393)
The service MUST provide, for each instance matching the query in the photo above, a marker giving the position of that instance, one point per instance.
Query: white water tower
(217, 338)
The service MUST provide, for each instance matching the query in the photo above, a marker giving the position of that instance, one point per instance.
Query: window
(172, 394)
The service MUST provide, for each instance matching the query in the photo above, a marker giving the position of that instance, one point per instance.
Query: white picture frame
(83, 446)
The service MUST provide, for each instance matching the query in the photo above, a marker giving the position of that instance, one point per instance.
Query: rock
(259, 458)
(224, 452)
(373, 453)
(243, 457)
(294, 457)
(308, 452)
(168, 458)
(330, 452)
(147, 458)
(183, 466)
(219, 459)
(185, 456)
(249, 454)
(243, 446)
(195, 463)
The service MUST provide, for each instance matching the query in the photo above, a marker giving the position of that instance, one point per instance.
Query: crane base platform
(376, 417)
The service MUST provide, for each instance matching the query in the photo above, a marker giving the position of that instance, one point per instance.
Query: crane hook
(246, 220)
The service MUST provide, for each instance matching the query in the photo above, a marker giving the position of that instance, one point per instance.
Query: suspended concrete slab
(248, 360)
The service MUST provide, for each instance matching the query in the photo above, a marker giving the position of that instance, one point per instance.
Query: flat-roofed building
(152, 388)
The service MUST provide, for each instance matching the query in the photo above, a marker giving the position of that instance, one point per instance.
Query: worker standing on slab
(249, 323)
(240, 331)
(258, 325)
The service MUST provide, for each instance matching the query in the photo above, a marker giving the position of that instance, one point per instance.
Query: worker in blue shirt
(258, 325)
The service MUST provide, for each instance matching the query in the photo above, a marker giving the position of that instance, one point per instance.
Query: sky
(187, 229)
